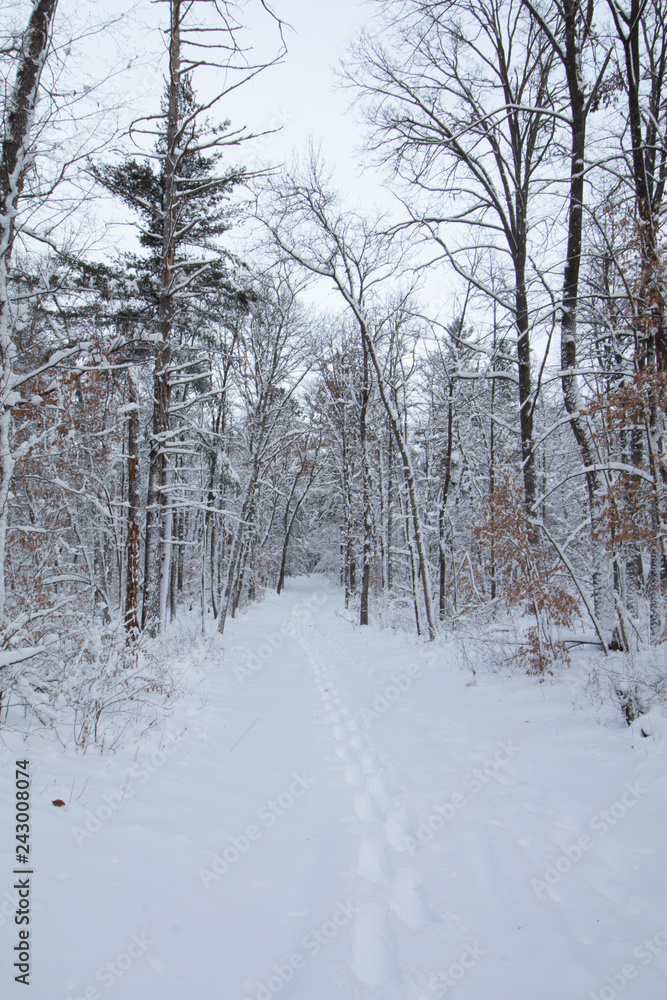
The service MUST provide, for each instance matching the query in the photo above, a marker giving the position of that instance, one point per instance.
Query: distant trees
(181, 428)
(272, 361)
(459, 99)
(310, 228)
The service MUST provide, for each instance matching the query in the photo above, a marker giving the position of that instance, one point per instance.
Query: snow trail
(336, 813)
(372, 939)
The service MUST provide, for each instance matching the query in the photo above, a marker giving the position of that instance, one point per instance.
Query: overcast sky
(301, 94)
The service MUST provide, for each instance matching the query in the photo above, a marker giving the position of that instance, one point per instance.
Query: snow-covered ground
(337, 812)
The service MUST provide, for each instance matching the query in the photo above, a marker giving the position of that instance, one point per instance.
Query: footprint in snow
(396, 830)
(372, 860)
(363, 807)
(373, 947)
(345, 753)
(353, 775)
(406, 901)
(377, 785)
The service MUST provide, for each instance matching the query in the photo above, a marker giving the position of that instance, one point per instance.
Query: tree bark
(408, 472)
(158, 529)
(602, 581)
(368, 526)
(133, 512)
(443, 503)
(19, 122)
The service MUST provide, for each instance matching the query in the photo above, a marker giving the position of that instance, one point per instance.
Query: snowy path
(339, 813)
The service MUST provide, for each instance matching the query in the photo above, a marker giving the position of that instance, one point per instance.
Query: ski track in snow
(288, 842)
(382, 889)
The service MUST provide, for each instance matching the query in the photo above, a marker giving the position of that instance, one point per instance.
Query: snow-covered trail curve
(341, 814)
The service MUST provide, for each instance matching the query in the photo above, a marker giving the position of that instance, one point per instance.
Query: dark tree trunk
(133, 512)
(525, 387)
(368, 525)
(157, 546)
(442, 602)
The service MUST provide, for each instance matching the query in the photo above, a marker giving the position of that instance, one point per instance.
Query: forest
(455, 408)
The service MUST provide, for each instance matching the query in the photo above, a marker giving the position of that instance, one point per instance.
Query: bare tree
(641, 28)
(271, 365)
(569, 30)
(459, 100)
(310, 228)
(304, 471)
(14, 163)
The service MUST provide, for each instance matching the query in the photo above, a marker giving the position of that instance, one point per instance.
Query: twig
(242, 735)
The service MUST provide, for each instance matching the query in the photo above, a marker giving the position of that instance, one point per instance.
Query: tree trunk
(443, 503)
(133, 512)
(525, 389)
(390, 510)
(283, 564)
(602, 582)
(213, 581)
(228, 600)
(158, 526)
(283, 559)
(655, 596)
(408, 473)
(368, 526)
(176, 522)
(414, 571)
(19, 119)
(156, 501)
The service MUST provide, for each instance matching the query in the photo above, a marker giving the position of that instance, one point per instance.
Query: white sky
(301, 94)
